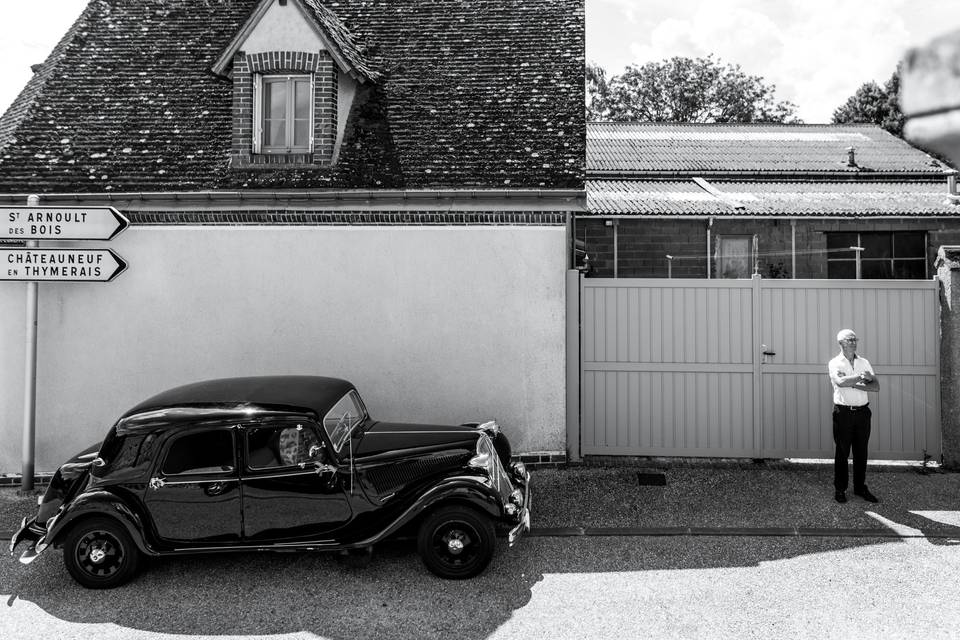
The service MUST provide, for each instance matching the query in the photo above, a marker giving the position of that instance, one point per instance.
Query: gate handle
(767, 353)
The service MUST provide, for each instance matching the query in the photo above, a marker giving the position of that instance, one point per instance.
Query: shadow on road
(393, 597)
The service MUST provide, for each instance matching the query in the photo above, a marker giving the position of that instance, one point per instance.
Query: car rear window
(201, 452)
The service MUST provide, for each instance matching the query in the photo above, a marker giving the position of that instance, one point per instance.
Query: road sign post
(31, 264)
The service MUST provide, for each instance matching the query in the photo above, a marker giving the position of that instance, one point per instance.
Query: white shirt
(839, 368)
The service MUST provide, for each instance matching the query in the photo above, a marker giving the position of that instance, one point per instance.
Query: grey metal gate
(678, 367)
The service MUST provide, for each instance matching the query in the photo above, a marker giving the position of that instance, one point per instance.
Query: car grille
(390, 477)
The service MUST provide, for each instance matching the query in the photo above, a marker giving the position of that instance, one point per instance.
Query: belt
(843, 407)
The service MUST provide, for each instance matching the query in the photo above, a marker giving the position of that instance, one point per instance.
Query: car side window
(285, 445)
(201, 452)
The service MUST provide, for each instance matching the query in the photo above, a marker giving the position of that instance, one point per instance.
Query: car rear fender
(100, 504)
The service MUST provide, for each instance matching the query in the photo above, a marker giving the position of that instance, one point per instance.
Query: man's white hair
(844, 334)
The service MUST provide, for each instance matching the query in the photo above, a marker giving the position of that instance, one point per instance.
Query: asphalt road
(546, 587)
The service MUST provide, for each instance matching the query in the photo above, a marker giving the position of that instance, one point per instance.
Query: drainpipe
(615, 223)
(793, 248)
(709, 226)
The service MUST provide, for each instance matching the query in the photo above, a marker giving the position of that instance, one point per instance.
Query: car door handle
(156, 483)
(215, 489)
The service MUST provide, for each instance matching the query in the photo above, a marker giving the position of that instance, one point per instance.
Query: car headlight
(485, 457)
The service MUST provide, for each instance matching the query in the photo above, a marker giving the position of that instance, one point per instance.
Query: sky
(816, 52)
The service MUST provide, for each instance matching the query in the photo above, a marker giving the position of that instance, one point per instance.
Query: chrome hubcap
(455, 546)
(97, 555)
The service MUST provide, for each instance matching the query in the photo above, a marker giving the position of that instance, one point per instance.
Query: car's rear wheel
(456, 542)
(100, 554)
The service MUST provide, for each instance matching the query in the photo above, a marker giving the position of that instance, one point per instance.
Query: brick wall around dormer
(324, 70)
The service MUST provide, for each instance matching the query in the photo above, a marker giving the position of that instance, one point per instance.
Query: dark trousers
(851, 430)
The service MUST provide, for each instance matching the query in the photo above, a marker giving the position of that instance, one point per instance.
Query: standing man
(852, 377)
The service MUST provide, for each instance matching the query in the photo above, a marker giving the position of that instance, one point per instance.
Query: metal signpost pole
(30, 378)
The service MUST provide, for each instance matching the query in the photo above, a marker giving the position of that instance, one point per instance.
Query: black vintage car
(277, 463)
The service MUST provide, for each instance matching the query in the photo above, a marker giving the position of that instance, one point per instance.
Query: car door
(193, 496)
(292, 487)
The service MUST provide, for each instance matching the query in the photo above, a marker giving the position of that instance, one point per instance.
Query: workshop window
(900, 255)
(735, 256)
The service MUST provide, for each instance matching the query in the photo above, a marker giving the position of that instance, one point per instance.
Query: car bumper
(523, 526)
(32, 533)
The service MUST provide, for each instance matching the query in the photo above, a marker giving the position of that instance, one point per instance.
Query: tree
(598, 92)
(874, 104)
(685, 90)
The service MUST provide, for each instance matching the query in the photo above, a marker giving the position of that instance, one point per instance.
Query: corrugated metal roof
(664, 149)
(774, 199)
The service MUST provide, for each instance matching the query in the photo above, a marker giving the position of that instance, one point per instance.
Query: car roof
(227, 396)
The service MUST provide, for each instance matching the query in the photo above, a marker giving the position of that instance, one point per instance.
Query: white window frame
(259, 82)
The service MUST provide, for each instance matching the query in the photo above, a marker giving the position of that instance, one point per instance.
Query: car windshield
(342, 418)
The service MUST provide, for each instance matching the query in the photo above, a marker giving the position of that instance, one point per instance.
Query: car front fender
(97, 503)
(472, 490)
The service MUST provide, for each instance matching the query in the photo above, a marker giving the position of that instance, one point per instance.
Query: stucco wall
(446, 324)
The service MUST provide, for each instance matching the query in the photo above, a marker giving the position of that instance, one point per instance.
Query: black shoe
(866, 495)
(840, 496)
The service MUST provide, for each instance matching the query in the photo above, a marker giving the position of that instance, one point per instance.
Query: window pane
(205, 452)
(841, 269)
(734, 257)
(877, 245)
(301, 133)
(341, 419)
(283, 446)
(838, 245)
(909, 269)
(275, 133)
(909, 245)
(876, 269)
(275, 99)
(303, 100)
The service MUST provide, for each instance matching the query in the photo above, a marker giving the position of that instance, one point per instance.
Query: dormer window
(284, 112)
(295, 70)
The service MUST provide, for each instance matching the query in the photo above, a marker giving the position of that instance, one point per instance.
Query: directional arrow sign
(61, 223)
(60, 265)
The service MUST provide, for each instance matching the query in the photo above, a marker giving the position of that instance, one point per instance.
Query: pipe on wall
(709, 226)
(793, 249)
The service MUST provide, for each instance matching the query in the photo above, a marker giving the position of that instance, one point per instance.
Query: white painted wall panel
(435, 324)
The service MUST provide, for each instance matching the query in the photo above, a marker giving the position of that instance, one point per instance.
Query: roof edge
(774, 176)
(557, 199)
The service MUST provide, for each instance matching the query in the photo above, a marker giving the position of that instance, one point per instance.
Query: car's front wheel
(456, 542)
(100, 554)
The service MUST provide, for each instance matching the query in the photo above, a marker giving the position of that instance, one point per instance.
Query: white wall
(445, 324)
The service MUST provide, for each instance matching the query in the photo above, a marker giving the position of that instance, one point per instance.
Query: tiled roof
(23, 104)
(774, 199)
(478, 93)
(344, 40)
(722, 149)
